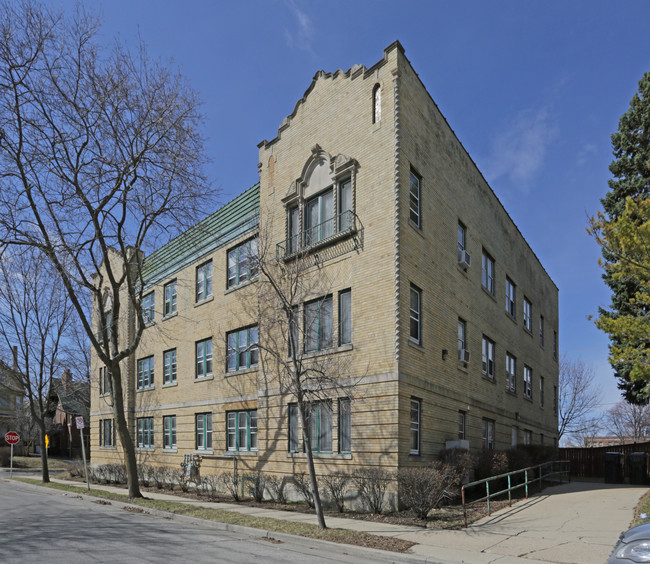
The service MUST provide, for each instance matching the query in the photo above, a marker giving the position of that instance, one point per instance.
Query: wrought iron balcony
(338, 227)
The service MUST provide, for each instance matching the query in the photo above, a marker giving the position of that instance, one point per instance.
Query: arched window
(376, 104)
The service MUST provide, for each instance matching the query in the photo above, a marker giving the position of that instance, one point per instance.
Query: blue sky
(532, 89)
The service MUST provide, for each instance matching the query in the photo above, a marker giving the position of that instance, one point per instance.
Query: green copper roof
(229, 222)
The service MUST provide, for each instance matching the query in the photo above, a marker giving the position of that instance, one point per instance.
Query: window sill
(140, 390)
(462, 366)
(322, 455)
(415, 345)
(170, 450)
(144, 449)
(241, 285)
(415, 455)
(511, 392)
(490, 379)
(102, 447)
(204, 378)
(206, 452)
(529, 331)
(417, 228)
(204, 301)
(242, 371)
(331, 350)
(530, 399)
(463, 270)
(170, 384)
(511, 318)
(170, 316)
(490, 294)
(231, 453)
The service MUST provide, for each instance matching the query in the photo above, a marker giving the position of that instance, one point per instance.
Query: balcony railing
(329, 231)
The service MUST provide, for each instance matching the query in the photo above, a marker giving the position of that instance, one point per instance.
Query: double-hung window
(488, 358)
(318, 324)
(511, 373)
(148, 307)
(243, 351)
(169, 366)
(528, 315)
(104, 381)
(528, 382)
(345, 425)
(241, 430)
(541, 391)
(462, 340)
(242, 263)
(488, 434)
(345, 317)
(416, 417)
(204, 358)
(511, 296)
(145, 432)
(294, 433)
(487, 272)
(204, 431)
(107, 432)
(145, 373)
(528, 437)
(319, 217)
(169, 432)
(415, 200)
(204, 281)
(170, 298)
(319, 425)
(415, 314)
(541, 330)
(461, 424)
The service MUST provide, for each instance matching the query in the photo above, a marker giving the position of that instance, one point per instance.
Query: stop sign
(12, 437)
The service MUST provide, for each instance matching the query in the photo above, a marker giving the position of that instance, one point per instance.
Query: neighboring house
(68, 400)
(593, 442)
(11, 400)
(429, 294)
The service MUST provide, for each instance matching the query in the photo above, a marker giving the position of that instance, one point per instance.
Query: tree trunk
(45, 471)
(318, 507)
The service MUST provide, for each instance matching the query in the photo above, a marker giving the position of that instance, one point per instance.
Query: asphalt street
(49, 526)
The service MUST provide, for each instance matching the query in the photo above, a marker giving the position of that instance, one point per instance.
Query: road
(50, 526)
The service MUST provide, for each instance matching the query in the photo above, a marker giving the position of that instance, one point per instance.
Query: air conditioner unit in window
(464, 260)
(463, 356)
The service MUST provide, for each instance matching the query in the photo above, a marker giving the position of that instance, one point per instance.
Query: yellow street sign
(47, 441)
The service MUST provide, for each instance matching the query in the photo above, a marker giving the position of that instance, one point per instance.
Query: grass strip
(643, 508)
(342, 536)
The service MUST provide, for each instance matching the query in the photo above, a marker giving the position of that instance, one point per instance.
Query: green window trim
(169, 432)
(242, 263)
(241, 431)
(145, 373)
(242, 351)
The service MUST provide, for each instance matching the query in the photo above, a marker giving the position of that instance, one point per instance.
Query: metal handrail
(329, 230)
(540, 471)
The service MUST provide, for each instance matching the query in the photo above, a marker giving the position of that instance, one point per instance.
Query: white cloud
(518, 151)
(299, 36)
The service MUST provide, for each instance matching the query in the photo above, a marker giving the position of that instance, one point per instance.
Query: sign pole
(80, 425)
(11, 461)
(12, 438)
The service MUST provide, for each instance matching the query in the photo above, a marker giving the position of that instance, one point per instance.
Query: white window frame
(203, 359)
(204, 281)
(145, 433)
(345, 317)
(241, 430)
(318, 324)
(203, 428)
(169, 366)
(462, 425)
(528, 315)
(489, 431)
(169, 432)
(242, 262)
(149, 307)
(171, 296)
(145, 373)
(528, 382)
(462, 339)
(345, 426)
(415, 427)
(415, 198)
(487, 272)
(415, 315)
(511, 373)
(511, 298)
(242, 351)
(488, 358)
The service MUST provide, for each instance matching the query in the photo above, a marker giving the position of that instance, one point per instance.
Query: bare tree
(578, 398)
(295, 312)
(626, 420)
(100, 158)
(36, 318)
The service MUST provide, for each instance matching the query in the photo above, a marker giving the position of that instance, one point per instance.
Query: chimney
(66, 379)
(14, 350)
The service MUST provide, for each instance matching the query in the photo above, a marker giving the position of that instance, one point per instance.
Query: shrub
(232, 484)
(335, 485)
(303, 485)
(5, 456)
(491, 463)
(210, 484)
(259, 485)
(461, 459)
(421, 489)
(276, 487)
(75, 469)
(169, 478)
(372, 484)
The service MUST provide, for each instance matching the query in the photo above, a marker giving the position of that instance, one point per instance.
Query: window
(345, 205)
(461, 425)
(242, 263)
(515, 436)
(204, 281)
(555, 399)
(319, 425)
(488, 272)
(462, 344)
(169, 366)
(555, 345)
(106, 432)
(145, 432)
(345, 425)
(415, 205)
(148, 303)
(294, 230)
(461, 240)
(541, 438)
(170, 298)
(243, 351)
(415, 333)
(145, 373)
(294, 437)
(241, 432)
(345, 317)
(541, 330)
(488, 358)
(488, 434)
(528, 437)
(293, 337)
(318, 324)
(511, 373)
(104, 381)
(541, 391)
(204, 358)
(528, 382)
(376, 104)
(204, 431)
(4, 401)
(528, 315)
(511, 298)
(169, 431)
(319, 215)
(416, 409)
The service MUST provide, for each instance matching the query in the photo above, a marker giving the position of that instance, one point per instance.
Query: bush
(303, 485)
(259, 485)
(75, 469)
(335, 485)
(372, 484)
(461, 459)
(421, 489)
(490, 463)
(210, 485)
(5, 456)
(276, 487)
(232, 484)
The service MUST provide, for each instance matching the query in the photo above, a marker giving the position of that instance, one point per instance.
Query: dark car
(632, 546)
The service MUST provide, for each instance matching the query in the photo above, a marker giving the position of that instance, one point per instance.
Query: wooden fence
(590, 462)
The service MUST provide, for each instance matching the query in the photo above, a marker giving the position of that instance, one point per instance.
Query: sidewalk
(574, 523)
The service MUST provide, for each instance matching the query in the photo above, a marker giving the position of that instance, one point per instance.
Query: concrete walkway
(574, 523)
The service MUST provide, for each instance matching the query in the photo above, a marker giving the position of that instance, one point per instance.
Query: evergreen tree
(631, 171)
